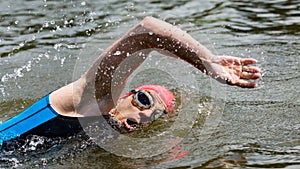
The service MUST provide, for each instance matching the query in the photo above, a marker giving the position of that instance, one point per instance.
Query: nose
(145, 116)
(131, 116)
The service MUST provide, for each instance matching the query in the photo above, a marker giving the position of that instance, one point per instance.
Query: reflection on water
(41, 40)
(270, 18)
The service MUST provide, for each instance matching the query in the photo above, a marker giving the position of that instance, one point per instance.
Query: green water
(47, 44)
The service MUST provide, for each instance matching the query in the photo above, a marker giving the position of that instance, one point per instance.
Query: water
(47, 44)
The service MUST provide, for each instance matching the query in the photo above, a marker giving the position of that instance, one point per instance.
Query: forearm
(168, 38)
(154, 34)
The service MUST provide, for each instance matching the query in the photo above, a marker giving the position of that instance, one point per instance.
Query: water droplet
(83, 3)
(62, 61)
(57, 46)
(46, 24)
(18, 72)
(157, 39)
(150, 33)
(187, 44)
(131, 34)
(47, 55)
(118, 53)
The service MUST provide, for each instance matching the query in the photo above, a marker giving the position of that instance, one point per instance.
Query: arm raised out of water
(149, 35)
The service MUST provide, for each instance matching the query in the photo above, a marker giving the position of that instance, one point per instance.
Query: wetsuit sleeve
(37, 114)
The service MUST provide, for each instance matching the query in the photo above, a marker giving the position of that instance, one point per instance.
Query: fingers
(247, 61)
(250, 72)
(251, 69)
(250, 75)
(239, 72)
(246, 84)
(243, 83)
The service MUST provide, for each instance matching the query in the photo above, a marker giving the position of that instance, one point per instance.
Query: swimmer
(59, 113)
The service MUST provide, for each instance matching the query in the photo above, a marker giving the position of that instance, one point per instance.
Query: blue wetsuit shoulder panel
(42, 120)
(37, 114)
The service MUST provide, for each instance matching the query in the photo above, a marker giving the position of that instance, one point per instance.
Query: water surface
(47, 44)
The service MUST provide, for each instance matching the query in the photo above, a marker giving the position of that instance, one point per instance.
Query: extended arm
(150, 34)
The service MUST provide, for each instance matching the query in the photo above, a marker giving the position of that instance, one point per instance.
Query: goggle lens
(143, 99)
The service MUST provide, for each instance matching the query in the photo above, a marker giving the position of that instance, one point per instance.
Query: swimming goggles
(144, 100)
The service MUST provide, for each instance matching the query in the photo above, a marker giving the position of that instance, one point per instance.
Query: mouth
(125, 125)
(131, 124)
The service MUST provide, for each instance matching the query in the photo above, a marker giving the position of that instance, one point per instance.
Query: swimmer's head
(141, 106)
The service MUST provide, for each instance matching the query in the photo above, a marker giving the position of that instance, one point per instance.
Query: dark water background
(42, 41)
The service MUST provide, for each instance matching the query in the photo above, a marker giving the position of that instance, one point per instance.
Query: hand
(234, 71)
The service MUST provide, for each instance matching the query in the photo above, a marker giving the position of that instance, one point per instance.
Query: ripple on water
(266, 16)
(259, 127)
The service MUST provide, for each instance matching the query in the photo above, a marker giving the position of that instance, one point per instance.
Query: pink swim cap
(165, 94)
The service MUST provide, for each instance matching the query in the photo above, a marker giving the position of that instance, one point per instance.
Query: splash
(18, 73)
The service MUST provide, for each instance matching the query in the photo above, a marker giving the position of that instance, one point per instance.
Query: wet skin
(127, 114)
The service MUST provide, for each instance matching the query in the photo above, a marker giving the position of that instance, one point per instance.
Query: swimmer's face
(138, 108)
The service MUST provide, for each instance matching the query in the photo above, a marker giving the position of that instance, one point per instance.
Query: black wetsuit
(42, 120)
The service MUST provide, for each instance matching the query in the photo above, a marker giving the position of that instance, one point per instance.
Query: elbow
(148, 19)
